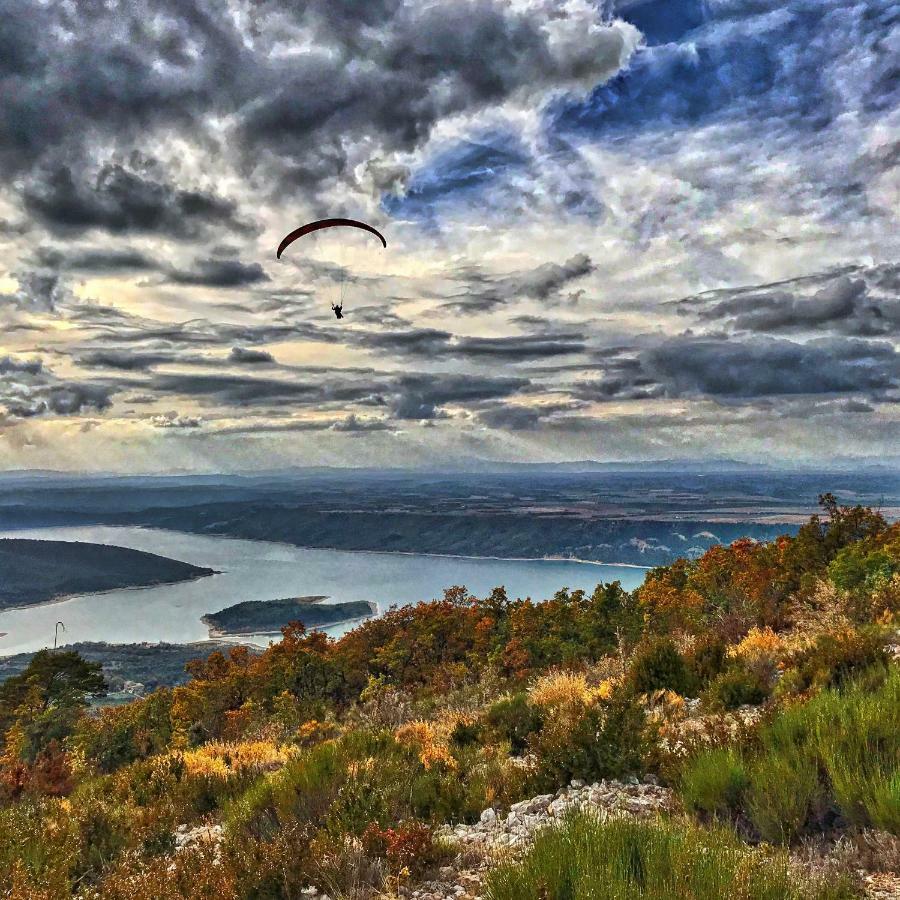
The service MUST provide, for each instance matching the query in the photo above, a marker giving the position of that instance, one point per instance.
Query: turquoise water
(257, 570)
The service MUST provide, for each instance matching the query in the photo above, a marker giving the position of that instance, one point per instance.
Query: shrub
(409, 845)
(714, 783)
(514, 719)
(839, 654)
(737, 687)
(839, 752)
(302, 791)
(708, 659)
(560, 690)
(585, 858)
(604, 741)
(658, 666)
(784, 794)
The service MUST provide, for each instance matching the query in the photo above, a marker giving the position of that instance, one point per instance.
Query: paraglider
(310, 227)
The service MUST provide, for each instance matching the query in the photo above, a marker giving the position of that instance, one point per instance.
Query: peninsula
(33, 572)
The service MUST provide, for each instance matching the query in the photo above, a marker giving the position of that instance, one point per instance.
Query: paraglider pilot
(338, 310)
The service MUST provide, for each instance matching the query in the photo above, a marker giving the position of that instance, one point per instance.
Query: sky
(617, 230)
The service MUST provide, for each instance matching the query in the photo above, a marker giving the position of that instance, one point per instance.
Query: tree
(46, 699)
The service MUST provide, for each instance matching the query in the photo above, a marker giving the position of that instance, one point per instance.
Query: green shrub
(659, 665)
(714, 783)
(465, 734)
(858, 567)
(513, 719)
(839, 752)
(784, 794)
(606, 741)
(302, 791)
(708, 659)
(737, 687)
(836, 656)
(585, 859)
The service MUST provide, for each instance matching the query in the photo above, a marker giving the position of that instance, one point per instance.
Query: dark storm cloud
(236, 390)
(423, 396)
(29, 366)
(39, 290)
(413, 396)
(417, 342)
(483, 292)
(423, 62)
(429, 343)
(245, 356)
(126, 360)
(117, 327)
(742, 369)
(518, 348)
(858, 301)
(513, 417)
(88, 74)
(119, 201)
(547, 279)
(222, 273)
(728, 368)
(96, 261)
(52, 396)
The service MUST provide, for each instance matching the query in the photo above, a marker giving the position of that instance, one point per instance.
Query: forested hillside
(732, 727)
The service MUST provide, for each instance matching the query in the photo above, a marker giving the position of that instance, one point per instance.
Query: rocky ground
(497, 835)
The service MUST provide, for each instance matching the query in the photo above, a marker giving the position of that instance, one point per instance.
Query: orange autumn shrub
(431, 743)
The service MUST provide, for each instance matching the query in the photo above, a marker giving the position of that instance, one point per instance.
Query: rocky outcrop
(631, 797)
(496, 832)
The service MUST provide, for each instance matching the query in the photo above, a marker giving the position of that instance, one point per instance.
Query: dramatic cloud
(51, 396)
(96, 261)
(483, 292)
(29, 366)
(862, 302)
(695, 366)
(621, 229)
(423, 397)
(245, 356)
(118, 200)
(222, 273)
(125, 360)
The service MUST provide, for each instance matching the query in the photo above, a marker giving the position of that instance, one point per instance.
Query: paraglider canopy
(310, 227)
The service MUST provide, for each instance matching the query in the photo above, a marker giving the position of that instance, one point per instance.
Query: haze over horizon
(633, 230)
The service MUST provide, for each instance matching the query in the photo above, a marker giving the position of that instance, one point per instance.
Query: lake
(258, 570)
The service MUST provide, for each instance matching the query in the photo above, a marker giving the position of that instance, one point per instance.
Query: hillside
(40, 571)
(730, 728)
(270, 616)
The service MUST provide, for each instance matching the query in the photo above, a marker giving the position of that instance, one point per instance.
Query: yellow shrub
(607, 688)
(220, 760)
(432, 743)
(760, 644)
(561, 689)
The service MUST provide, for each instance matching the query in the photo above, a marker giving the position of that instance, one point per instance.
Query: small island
(269, 616)
(33, 572)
